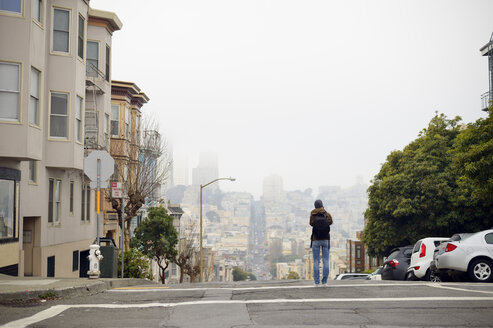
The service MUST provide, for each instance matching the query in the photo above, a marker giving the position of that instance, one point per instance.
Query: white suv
(421, 258)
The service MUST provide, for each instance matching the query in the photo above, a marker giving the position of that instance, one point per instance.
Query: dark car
(396, 265)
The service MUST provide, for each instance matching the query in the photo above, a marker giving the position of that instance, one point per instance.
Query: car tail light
(450, 247)
(423, 250)
(393, 263)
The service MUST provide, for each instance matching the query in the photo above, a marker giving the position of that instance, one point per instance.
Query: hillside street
(356, 303)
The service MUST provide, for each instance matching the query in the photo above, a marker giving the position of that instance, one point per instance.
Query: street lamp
(201, 250)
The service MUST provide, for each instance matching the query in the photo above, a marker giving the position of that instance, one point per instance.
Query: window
(50, 201)
(80, 40)
(83, 204)
(34, 99)
(37, 10)
(75, 260)
(92, 59)
(137, 130)
(489, 238)
(61, 30)
(88, 203)
(7, 199)
(78, 119)
(106, 130)
(59, 115)
(115, 120)
(71, 200)
(127, 121)
(14, 6)
(173, 269)
(33, 168)
(58, 203)
(9, 91)
(54, 201)
(107, 64)
(85, 208)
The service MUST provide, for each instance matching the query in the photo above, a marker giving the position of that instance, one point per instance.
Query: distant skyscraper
(273, 190)
(207, 169)
(180, 170)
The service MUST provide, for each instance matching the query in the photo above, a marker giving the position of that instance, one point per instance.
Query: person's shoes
(318, 285)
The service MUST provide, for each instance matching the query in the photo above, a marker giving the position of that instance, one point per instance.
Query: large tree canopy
(427, 189)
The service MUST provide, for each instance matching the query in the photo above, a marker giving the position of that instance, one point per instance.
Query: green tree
(426, 189)
(474, 158)
(156, 238)
(136, 265)
(239, 274)
(293, 275)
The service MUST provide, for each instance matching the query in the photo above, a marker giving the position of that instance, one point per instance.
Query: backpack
(321, 227)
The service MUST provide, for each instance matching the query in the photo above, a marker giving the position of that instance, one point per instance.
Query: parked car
(396, 264)
(435, 274)
(471, 254)
(376, 275)
(351, 276)
(421, 258)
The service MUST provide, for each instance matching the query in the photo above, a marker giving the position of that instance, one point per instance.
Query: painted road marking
(57, 309)
(159, 288)
(462, 289)
(143, 288)
(151, 288)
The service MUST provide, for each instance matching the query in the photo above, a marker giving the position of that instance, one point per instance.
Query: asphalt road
(354, 303)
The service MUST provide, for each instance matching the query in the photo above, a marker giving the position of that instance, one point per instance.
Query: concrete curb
(87, 288)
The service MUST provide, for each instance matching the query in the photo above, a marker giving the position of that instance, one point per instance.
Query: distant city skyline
(318, 92)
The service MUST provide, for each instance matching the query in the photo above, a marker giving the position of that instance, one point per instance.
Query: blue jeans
(316, 246)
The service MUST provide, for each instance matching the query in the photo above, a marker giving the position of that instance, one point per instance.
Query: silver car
(472, 254)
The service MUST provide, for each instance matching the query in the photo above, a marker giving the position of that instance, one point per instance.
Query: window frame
(40, 12)
(54, 201)
(127, 122)
(117, 109)
(71, 197)
(58, 201)
(107, 63)
(52, 43)
(88, 60)
(14, 13)
(88, 204)
(37, 114)
(79, 123)
(14, 208)
(33, 172)
(59, 138)
(82, 203)
(17, 120)
(81, 43)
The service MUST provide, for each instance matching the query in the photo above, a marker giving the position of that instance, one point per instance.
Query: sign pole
(98, 194)
(123, 233)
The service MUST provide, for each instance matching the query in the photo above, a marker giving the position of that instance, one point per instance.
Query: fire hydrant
(94, 258)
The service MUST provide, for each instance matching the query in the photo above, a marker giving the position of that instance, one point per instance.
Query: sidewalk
(12, 288)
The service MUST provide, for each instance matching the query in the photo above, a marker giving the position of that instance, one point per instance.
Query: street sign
(91, 165)
(116, 190)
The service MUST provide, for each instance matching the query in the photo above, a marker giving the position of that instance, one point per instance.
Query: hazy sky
(316, 91)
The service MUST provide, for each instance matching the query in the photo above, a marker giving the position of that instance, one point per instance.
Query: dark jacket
(319, 210)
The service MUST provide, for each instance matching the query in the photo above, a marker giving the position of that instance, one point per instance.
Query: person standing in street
(320, 220)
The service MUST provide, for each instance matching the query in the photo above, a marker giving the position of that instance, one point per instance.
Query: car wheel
(433, 277)
(480, 270)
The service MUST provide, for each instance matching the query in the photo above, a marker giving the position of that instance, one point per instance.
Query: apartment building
(54, 84)
(123, 129)
(487, 97)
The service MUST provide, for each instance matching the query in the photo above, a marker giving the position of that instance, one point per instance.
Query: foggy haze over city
(318, 92)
